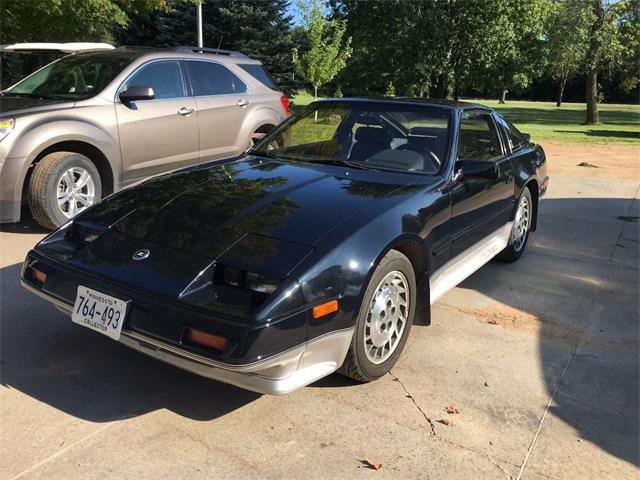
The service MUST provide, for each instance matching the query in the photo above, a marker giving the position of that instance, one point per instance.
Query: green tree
(68, 20)
(515, 38)
(628, 64)
(259, 28)
(603, 48)
(567, 33)
(327, 54)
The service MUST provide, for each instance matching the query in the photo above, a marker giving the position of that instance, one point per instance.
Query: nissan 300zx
(314, 251)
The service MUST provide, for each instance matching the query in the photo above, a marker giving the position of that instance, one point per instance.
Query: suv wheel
(62, 185)
(384, 321)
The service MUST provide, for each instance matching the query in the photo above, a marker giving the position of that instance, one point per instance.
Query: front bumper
(276, 375)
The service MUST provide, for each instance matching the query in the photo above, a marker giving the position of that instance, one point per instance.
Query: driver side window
(164, 77)
(478, 138)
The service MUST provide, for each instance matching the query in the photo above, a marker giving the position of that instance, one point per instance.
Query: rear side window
(260, 74)
(208, 78)
(478, 138)
(514, 136)
(164, 77)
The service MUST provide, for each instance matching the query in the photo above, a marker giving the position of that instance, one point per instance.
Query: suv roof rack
(215, 51)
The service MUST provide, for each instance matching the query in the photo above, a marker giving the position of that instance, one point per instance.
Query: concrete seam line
(544, 415)
(60, 452)
(426, 417)
(629, 210)
(574, 353)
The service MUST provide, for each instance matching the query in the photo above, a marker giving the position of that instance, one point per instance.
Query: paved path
(540, 357)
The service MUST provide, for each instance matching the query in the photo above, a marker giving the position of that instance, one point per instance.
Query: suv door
(480, 206)
(160, 134)
(222, 102)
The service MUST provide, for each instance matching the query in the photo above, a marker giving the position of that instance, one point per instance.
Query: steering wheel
(422, 150)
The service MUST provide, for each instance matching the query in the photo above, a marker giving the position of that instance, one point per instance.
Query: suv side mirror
(136, 92)
(477, 169)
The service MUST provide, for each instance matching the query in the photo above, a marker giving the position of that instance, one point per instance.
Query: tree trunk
(563, 82)
(503, 95)
(593, 61)
(592, 96)
(442, 86)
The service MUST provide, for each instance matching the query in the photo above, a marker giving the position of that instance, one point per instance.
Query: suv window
(164, 77)
(74, 77)
(260, 74)
(478, 138)
(209, 78)
(514, 136)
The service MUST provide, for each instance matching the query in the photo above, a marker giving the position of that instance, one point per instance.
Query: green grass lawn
(618, 123)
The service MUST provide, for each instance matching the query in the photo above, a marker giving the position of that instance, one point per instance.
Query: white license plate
(98, 311)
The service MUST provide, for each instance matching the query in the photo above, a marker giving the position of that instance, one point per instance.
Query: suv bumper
(11, 177)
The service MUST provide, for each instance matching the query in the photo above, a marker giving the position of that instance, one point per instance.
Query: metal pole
(200, 44)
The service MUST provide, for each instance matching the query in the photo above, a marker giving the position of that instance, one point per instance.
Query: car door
(480, 206)
(160, 134)
(222, 102)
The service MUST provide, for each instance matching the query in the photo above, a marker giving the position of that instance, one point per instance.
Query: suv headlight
(6, 126)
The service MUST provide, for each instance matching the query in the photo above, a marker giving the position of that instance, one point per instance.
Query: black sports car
(312, 252)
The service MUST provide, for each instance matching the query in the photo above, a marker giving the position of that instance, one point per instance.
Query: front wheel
(384, 322)
(520, 230)
(62, 185)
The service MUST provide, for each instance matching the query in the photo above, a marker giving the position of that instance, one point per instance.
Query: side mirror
(527, 137)
(135, 93)
(477, 169)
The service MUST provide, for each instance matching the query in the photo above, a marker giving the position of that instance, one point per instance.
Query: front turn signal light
(205, 339)
(325, 309)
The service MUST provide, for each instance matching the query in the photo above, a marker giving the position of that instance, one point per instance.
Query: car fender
(259, 117)
(36, 140)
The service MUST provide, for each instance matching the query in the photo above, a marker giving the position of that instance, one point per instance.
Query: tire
(47, 186)
(358, 363)
(518, 239)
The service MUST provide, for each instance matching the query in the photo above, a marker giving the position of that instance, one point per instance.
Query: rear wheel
(384, 322)
(520, 230)
(62, 185)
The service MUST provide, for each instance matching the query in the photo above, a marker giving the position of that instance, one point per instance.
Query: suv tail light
(286, 104)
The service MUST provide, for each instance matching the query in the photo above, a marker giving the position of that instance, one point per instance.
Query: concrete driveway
(540, 357)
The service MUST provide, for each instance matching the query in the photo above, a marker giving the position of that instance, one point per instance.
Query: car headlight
(6, 126)
(249, 281)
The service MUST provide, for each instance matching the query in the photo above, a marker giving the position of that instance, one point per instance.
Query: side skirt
(462, 266)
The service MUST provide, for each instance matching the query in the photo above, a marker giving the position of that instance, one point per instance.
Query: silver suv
(90, 124)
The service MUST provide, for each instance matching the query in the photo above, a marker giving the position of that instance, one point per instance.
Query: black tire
(356, 364)
(512, 252)
(43, 185)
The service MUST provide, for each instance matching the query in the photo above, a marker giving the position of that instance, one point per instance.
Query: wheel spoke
(83, 179)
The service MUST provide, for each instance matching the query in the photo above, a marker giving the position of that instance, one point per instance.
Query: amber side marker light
(38, 275)
(206, 339)
(325, 309)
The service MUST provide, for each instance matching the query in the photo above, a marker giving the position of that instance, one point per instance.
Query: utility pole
(200, 44)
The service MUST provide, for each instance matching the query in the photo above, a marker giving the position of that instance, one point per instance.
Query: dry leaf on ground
(451, 409)
(373, 465)
(446, 421)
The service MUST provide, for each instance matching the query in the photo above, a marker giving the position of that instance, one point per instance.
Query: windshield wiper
(258, 153)
(341, 162)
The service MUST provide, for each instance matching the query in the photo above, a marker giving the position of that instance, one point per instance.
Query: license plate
(98, 311)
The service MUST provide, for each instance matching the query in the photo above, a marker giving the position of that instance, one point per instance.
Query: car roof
(449, 104)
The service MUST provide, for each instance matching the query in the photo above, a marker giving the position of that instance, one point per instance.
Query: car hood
(23, 105)
(206, 210)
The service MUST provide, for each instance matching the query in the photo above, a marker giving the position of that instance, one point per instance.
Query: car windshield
(375, 135)
(74, 77)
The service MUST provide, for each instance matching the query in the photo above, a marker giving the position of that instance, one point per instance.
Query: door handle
(185, 111)
(242, 103)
